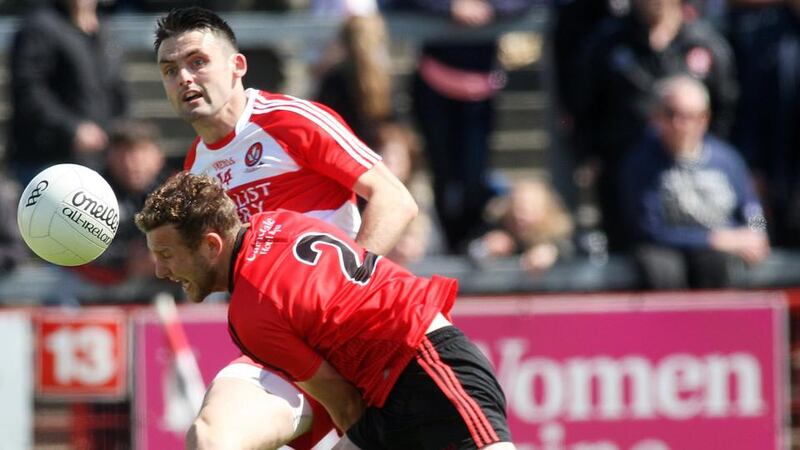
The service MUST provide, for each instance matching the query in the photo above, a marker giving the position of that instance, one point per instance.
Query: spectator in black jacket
(614, 91)
(767, 128)
(453, 91)
(66, 88)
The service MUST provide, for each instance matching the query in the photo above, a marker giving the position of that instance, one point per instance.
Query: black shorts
(447, 398)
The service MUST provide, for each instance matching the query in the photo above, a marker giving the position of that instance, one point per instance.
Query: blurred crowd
(679, 118)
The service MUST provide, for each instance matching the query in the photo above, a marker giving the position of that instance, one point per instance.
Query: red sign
(603, 372)
(646, 372)
(82, 353)
(162, 410)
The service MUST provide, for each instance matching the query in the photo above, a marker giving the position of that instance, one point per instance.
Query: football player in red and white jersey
(269, 151)
(350, 327)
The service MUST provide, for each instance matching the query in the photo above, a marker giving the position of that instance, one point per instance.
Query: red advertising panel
(81, 354)
(610, 372)
(666, 372)
(162, 408)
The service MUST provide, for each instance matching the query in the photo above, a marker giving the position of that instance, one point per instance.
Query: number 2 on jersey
(310, 246)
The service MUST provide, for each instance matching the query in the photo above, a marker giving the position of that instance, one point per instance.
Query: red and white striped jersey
(288, 153)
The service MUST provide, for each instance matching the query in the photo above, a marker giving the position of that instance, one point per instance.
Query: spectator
(359, 86)
(615, 88)
(400, 150)
(325, 54)
(12, 249)
(532, 223)
(135, 166)
(687, 196)
(414, 243)
(766, 128)
(453, 91)
(399, 147)
(66, 88)
(159, 6)
(573, 24)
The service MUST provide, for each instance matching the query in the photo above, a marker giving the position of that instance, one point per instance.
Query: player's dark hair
(194, 204)
(181, 20)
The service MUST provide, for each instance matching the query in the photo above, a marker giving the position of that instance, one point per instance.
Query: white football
(68, 214)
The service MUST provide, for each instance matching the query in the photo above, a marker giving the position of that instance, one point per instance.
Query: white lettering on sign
(84, 355)
(552, 436)
(678, 386)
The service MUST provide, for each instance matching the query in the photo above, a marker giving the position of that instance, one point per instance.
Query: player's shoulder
(269, 107)
(278, 224)
(274, 215)
(290, 219)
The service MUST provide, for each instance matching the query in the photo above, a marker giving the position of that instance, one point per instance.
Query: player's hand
(89, 138)
(471, 13)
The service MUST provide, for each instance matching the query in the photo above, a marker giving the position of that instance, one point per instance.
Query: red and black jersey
(303, 291)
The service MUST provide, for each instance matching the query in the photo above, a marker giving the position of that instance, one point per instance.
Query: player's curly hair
(194, 204)
(191, 18)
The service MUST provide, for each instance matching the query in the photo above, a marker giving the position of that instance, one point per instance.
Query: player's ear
(239, 62)
(214, 243)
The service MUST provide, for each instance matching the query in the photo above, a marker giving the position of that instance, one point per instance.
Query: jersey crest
(253, 155)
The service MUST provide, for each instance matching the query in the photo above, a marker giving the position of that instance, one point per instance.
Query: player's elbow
(407, 207)
(353, 413)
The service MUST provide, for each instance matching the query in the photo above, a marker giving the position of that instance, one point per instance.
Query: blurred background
(614, 183)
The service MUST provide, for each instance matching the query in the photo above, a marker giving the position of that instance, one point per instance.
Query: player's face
(181, 264)
(199, 70)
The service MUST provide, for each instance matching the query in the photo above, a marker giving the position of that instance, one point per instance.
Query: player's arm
(317, 138)
(340, 398)
(390, 208)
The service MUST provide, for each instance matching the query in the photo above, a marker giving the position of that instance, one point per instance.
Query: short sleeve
(317, 138)
(268, 338)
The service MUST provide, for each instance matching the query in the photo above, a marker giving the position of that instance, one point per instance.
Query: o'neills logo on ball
(82, 205)
(36, 193)
(83, 202)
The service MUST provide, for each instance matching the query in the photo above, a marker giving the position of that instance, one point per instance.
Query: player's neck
(215, 128)
(233, 244)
